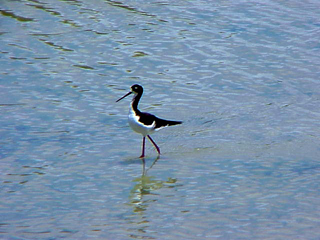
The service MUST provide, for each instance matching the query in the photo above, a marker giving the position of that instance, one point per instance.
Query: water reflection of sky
(243, 76)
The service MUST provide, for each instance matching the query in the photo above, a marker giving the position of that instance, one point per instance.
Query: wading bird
(142, 122)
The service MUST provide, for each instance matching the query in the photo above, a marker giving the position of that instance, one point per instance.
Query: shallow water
(244, 78)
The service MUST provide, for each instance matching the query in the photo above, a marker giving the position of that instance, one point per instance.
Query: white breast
(138, 127)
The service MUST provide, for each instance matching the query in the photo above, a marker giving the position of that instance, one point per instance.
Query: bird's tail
(170, 123)
(161, 123)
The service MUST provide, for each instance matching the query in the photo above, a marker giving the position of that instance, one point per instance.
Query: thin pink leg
(158, 149)
(143, 143)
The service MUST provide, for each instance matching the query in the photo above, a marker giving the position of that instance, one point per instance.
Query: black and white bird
(142, 122)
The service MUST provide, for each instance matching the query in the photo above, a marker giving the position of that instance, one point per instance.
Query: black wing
(147, 118)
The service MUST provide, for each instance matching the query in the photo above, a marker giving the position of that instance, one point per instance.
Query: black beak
(124, 96)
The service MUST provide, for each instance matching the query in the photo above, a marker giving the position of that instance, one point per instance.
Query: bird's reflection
(144, 170)
(142, 196)
(144, 186)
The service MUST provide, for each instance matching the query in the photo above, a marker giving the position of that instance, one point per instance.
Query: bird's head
(135, 89)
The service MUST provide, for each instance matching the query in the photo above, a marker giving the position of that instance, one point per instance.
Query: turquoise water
(244, 78)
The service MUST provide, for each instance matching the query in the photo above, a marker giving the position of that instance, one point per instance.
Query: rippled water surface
(242, 75)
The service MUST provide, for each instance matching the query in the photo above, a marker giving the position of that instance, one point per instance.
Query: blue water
(242, 76)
